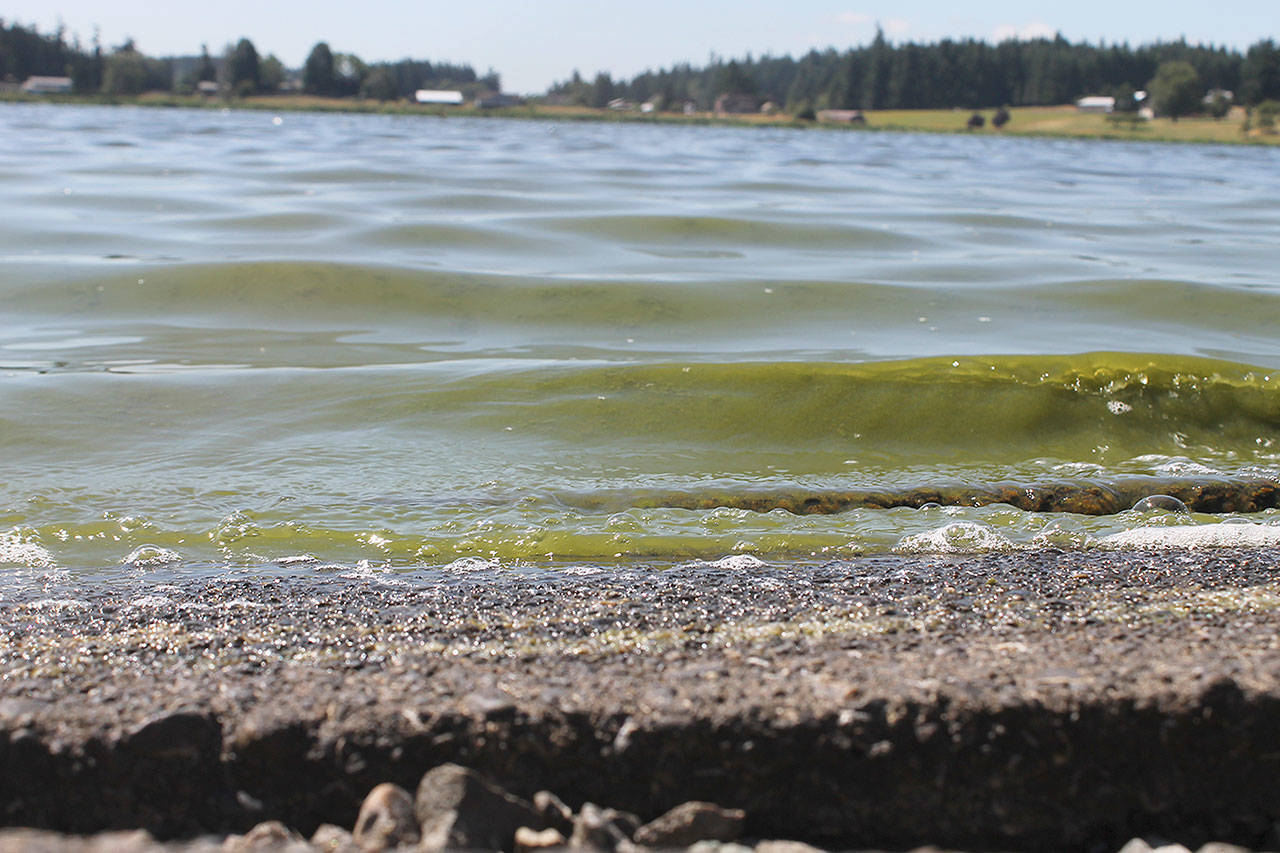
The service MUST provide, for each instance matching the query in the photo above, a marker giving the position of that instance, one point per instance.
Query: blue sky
(534, 42)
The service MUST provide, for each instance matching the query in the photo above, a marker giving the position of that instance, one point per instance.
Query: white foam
(739, 562)
(472, 564)
(19, 550)
(959, 537)
(1196, 536)
(151, 602)
(583, 570)
(151, 555)
(58, 604)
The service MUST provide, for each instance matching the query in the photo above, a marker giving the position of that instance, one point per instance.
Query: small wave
(735, 233)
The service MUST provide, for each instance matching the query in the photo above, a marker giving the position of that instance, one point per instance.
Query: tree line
(945, 74)
(239, 70)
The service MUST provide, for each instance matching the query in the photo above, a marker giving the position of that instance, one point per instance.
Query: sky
(533, 43)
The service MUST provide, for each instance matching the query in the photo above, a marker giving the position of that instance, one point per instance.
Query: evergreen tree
(318, 74)
(207, 72)
(1260, 73)
(242, 68)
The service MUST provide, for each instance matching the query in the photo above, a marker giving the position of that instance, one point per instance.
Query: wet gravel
(1044, 699)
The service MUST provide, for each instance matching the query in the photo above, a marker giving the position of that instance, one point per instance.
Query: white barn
(1096, 104)
(438, 96)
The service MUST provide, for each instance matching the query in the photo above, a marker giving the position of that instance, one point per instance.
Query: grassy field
(1060, 121)
(1069, 122)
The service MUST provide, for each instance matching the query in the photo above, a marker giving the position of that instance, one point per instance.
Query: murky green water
(232, 341)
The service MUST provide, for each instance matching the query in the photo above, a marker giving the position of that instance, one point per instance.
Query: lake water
(387, 346)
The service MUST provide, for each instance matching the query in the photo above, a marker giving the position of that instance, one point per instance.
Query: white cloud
(852, 19)
(1026, 32)
(897, 27)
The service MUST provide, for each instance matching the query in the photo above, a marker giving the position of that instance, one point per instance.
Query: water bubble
(1163, 503)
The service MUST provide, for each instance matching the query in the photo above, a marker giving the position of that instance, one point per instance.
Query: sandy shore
(1051, 700)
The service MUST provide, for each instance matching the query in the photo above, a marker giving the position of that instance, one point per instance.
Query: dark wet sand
(1048, 700)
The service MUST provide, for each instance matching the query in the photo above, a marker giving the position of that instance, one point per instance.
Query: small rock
(1135, 845)
(691, 822)
(595, 828)
(269, 835)
(333, 839)
(531, 839)
(1170, 848)
(183, 735)
(458, 808)
(786, 847)
(386, 819)
(554, 812)
(718, 847)
(1221, 847)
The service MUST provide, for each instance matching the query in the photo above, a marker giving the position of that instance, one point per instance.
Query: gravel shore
(1049, 700)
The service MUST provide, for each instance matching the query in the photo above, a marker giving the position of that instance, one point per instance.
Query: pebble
(532, 839)
(691, 822)
(602, 829)
(270, 835)
(554, 812)
(386, 819)
(333, 839)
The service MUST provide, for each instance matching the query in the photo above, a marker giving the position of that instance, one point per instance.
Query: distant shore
(1064, 122)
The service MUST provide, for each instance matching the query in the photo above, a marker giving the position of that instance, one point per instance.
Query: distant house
(47, 86)
(1096, 104)
(1214, 94)
(207, 88)
(689, 108)
(494, 101)
(843, 116)
(736, 104)
(621, 105)
(449, 97)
